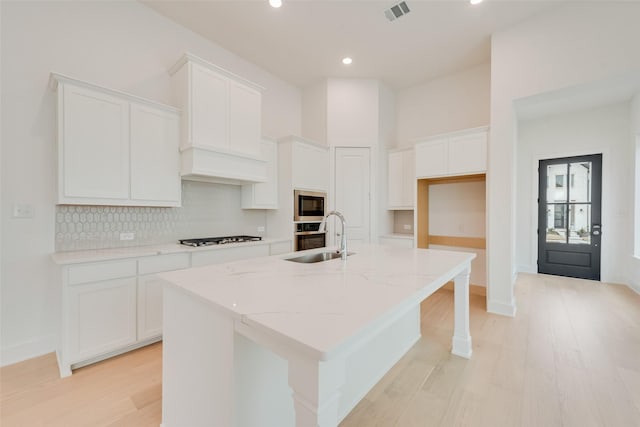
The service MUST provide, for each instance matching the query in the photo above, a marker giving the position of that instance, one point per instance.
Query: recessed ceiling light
(346, 60)
(275, 3)
(475, 1)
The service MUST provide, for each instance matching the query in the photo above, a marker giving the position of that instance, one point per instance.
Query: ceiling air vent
(396, 11)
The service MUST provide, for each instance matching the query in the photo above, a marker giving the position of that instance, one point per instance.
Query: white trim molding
(35, 347)
(502, 308)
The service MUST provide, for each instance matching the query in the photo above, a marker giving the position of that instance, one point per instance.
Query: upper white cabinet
(310, 166)
(401, 179)
(154, 155)
(221, 123)
(459, 153)
(264, 195)
(114, 148)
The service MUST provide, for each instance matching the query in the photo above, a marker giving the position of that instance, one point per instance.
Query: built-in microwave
(309, 205)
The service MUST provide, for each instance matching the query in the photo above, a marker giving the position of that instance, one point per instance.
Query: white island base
(254, 369)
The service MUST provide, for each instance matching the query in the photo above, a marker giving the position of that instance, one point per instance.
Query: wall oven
(307, 236)
(309, 205)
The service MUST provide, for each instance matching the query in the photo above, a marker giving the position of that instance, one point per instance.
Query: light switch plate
(260, 229)
(127, 236)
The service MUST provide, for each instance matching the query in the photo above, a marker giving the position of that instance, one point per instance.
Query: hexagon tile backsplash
(96, 227)
(207, 210)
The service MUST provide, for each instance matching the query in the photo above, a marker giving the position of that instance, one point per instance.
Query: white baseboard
(27, 350)
(501, 308)
(527, 268)
(635, 287)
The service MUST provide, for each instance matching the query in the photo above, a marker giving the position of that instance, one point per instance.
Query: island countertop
(321, 308)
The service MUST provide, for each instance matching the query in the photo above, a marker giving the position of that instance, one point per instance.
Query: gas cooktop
(208, 241)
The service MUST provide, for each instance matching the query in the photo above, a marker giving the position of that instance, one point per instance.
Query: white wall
(314, 113)
(601, 130)
(455, 102)
(352, 112)
(634, 267)
(121, 45)
(581, 43)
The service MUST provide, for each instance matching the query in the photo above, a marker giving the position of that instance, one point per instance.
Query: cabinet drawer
(95, 272)
(218, 256)
(160, 263)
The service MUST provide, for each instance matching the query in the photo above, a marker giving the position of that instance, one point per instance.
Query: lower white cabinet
(110, 307)
(149, 307)
(102, 318)
(149, 304)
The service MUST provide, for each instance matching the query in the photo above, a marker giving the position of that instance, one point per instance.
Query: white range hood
(221, 123)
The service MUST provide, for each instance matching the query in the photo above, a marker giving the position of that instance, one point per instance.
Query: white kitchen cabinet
(310, 165)
(245, 121)
(221, 123)
(459, 153)
(264, 195)
(468, 153)
(114, 148)
(102, 317)
(93, 154)
(154, 159)
(149, 302)
(401, 180)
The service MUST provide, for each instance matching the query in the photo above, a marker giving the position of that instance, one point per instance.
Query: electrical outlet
(127, 236)
(22, 211)
(406, 227)
(260, 229)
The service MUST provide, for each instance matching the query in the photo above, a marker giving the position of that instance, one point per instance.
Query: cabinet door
(102, 317)
(408, 178)
(94, 145)
(208, 109)
(468, 154)
(432, 158)
(310, 167)
(244, 119)
(155, 159)
(264, 195)
(396, 180)
(149, 307)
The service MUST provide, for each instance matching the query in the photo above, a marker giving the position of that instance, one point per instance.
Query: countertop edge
(96, 255)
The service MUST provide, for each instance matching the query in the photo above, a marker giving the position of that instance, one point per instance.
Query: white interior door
(352, 193)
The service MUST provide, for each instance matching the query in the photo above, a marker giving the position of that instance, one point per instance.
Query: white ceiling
(304, 41)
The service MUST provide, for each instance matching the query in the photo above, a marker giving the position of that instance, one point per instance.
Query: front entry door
(569, 228)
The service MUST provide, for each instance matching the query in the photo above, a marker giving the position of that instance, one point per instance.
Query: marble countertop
(322, 307)
(91, 255)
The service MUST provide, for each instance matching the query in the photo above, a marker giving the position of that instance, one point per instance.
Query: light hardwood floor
(571, 357)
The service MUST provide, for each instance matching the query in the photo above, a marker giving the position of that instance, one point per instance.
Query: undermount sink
(317, 257)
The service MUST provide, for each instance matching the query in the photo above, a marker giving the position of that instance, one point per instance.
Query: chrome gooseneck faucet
(343, 237)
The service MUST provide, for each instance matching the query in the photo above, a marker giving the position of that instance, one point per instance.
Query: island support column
(316, 389)
(461, 342)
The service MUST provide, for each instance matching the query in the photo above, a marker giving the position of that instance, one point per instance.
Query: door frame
(605, 215)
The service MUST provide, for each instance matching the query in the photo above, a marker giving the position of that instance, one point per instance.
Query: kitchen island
(241, 338)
